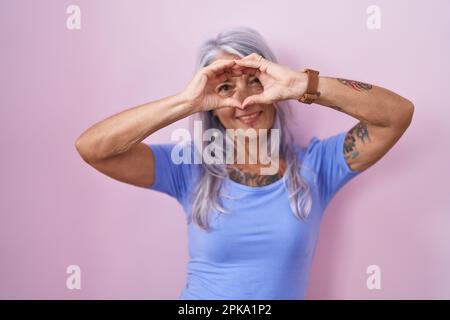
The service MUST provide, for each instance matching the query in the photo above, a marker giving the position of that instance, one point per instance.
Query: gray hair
(207, 193)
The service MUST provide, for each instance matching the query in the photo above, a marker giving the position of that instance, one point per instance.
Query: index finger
(249, 63)
(220, 65)
(245, 69)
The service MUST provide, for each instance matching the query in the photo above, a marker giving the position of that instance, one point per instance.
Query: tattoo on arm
(357, 85)
(251, 179)
(359, 132)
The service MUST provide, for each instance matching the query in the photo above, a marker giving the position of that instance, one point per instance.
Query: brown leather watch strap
(311, 93)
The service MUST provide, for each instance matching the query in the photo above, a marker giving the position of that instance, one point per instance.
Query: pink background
(131, 242)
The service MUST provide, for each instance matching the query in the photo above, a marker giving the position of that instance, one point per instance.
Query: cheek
(270, 117)
(225, 115)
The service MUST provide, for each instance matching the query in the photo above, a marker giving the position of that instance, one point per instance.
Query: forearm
(116, 134)
(368, 103)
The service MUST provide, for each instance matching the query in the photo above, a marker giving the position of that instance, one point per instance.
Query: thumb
(259, 98)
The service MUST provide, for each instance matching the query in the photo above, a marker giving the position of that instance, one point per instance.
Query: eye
(255, 80)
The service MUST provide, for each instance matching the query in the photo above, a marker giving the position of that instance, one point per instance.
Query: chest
(255, 228)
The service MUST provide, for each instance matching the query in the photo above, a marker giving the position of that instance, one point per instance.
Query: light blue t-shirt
(259, 249)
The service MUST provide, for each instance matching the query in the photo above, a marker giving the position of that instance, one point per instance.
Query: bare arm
(383, 115)
(113, 146)
(383, 118)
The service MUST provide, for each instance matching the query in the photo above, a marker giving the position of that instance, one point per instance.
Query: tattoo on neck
(252, 179)
(361, 132)
(357, 85)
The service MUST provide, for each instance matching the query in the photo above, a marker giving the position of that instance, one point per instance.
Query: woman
(251, 235)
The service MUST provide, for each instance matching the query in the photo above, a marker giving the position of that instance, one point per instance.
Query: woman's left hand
(279, 82)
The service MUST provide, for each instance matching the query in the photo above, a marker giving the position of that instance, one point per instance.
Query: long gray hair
(207, 192)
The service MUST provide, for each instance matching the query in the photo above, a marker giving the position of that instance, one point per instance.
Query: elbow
(84, 150)
(90, 149)
(409, 113)
(406, 115)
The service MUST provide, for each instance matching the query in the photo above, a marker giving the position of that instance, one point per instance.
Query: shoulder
(174, 154)
(329, 147)
(175, 159)
(322, 154)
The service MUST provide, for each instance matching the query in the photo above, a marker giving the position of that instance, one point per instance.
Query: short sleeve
(171, 178)
(327, 158)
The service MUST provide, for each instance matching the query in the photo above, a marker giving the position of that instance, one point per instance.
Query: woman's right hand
(201, 93)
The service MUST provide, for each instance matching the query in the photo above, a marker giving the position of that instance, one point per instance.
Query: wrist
(311, 94)
(186, 103)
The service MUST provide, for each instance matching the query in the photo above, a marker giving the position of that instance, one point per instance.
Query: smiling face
(257, 116)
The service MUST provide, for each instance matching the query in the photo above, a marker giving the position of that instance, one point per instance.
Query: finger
(252, 72)
(218, 61)
(259, 98)
(222, 78)
(219, 66)
(251, 63)
(231, 102)
(253, 56)
(236, 73)
(245, 70)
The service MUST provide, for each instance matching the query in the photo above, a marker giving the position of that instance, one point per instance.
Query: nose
(242, 91)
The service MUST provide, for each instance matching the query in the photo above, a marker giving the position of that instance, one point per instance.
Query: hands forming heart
(279, 83)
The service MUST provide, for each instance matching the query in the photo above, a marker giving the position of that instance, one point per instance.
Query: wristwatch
(311, 93)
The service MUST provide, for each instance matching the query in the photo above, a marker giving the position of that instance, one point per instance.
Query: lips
(250, 118)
